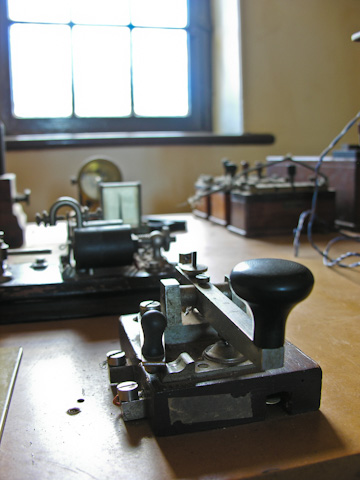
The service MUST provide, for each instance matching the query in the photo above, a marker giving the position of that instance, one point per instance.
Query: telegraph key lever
(225, 360)
(272, 287)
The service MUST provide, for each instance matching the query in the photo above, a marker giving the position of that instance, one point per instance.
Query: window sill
(29, 142)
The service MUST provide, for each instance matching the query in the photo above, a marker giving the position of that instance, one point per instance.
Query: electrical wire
(311, 213)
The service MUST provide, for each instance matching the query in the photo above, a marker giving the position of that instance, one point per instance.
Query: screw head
(116, 358)
(128, 391)
(39, 264)
(147, 305)
(202, 279)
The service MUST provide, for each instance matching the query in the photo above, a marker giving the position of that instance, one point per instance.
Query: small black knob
(230, 169)
(259, 169)
(245, 167)
(272, 287)
(153, 324)
(291, 169)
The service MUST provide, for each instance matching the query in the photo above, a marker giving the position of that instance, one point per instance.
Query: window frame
(200, 89)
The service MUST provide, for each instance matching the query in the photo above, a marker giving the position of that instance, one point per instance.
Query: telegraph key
(209, 356)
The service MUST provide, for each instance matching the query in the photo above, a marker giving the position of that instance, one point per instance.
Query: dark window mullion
(71, 25)
(131, 28)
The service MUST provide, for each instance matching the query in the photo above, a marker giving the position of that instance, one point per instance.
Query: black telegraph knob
(153, 324)
(272, 287)
(259, 168)
(245, 167)
(230, 169)
(291, 169)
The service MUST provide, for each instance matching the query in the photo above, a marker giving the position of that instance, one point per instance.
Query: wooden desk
(63, 364)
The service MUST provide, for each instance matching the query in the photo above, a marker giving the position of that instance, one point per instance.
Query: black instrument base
(38, 295)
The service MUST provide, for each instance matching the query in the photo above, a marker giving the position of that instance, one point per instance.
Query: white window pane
(106, 12)
(159, 13)
(57, 11)
(41, 70)
(160, 72)
(101, 71)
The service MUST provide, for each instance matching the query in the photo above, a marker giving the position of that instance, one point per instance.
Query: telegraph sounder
(100, 259)
(209, 356)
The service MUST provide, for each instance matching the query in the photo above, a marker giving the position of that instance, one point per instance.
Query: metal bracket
(226, 317)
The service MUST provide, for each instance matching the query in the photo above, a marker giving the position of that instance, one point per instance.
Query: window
(105, 66)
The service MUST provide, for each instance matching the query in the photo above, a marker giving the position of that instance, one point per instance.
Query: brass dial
(93, 172)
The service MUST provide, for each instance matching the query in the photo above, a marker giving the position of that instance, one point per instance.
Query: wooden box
(202, 207)
(12, 216)
(343, 172)
(214, 207)
(255, 215)
(220, 208)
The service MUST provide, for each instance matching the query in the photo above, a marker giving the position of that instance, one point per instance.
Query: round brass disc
(93, 172)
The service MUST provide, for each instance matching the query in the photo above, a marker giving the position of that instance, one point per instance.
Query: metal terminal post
(132, 404)
(116, 358)
(188, 264)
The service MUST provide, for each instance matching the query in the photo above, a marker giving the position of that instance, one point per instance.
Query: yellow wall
(301, 78)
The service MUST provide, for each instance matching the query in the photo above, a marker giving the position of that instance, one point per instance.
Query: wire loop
(327, 260)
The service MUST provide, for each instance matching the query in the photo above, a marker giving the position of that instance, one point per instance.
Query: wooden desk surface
(63, 367)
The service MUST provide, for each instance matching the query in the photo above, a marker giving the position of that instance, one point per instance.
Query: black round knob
(291, 169)
(230, 168)
(272, 287)
(153, 324)
(259, 168)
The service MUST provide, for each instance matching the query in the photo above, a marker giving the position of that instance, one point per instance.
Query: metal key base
(200, 396)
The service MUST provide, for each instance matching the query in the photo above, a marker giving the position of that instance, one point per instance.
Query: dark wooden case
(220, 208)
(214, 207)
(202, 208)
(343, 172)
(255, 215)
(12, 216)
